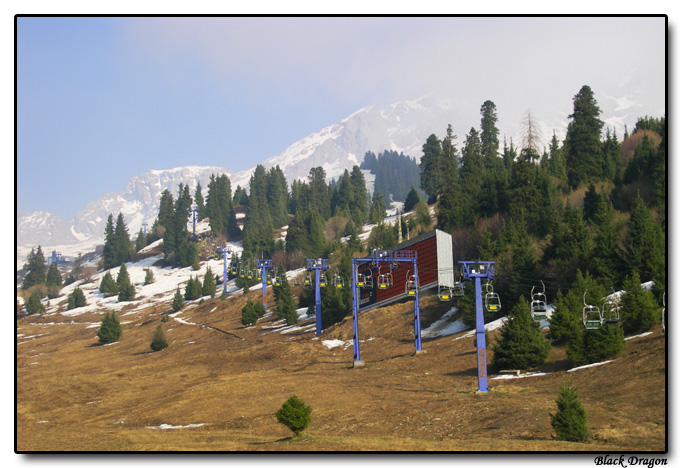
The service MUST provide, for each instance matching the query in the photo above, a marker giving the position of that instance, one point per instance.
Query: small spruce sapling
(570, 421)
(159, 340)
(294, 414)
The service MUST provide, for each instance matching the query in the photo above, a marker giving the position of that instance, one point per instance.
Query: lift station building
(434, 269)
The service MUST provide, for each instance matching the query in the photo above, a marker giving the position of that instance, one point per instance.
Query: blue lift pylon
(317, 264)
(225, 250)
(264, 265)
(475, 271)
(378, 257)
(194, 222)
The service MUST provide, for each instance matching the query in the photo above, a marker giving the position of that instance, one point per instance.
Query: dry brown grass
(77, 396)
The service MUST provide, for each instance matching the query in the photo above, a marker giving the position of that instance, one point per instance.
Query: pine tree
(358, 205)
(53, 278)
(166, 209)
(606, 264)
(645, 246)
(490, 143)
(76, 299)
(199, 201)
(319, 192)
(564, 324)
(208, 288)
(109, 250)
(193, 289)
(277, 196)
(430, 166)
(110, 329)
(149, 276)
(583, 139)
(34, 305)
(35, 266)
(178, 300)
(158, 340)
(126, 289)
(122, 244)
(570, 421)
(108, 286)
(411, 200)
(378, 210)
(522, 345)
(285, 303)
(639, 310)
(140, 241)
(294, 414)
(249, 315)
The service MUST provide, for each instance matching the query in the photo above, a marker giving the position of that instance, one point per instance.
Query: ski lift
(365, 281)
(337, 281)
(592, 318)
(411, 286)
(444, 293)
(323, 280)
(385, 280)
(458, 289)
(297, 280)
(268, 278)
(492, 299)
(307, 281)
(610, 311)
(538, 304)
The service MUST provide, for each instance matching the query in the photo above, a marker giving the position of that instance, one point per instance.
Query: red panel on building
(427, 248)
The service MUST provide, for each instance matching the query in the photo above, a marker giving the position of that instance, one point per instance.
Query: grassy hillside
(229, 381)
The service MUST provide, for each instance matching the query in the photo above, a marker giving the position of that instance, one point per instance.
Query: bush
(149, 276)
(76, 299)
(595, 345)
(33, 305)
(249, 315)
(522, 345)
(110, 329)
(570, 421)
(294, 414)
(178, 300)
(159, 340)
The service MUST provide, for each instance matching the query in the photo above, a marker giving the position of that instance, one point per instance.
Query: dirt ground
(219, 385)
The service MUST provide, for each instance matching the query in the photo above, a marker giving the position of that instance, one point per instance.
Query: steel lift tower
(378, 257)
(225, 251)
(264, 266)
(475, 271)
(317, 265)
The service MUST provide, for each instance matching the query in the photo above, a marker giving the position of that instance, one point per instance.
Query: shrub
(159, 340)
(33, 305)
(294, 414)
(149, 276)
(178, 300)
(249, 315)
(522, 345)
(76, 299)
(595, 345)
(570, 421)
(110, 329)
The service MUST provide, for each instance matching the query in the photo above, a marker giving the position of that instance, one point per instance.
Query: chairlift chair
(538, 304)
(323, 280)
(592, 317)
(360, 280)
(411, 286)
(492, 299)
(297, 280)
(458, 289)
(444, 293)
(337, 281)
(663, 314)
(307, 280)
(610, 312)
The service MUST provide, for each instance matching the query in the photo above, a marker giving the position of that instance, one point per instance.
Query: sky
(101, 100)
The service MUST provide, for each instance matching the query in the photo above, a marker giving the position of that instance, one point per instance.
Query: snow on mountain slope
(139, 203)
(402, 126)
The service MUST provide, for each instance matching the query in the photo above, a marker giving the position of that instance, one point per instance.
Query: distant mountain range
(402, 126)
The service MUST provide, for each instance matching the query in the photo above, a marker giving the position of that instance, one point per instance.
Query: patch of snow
(589, 365)
(443, 326)
(335, 343)
(521, 376)
(638, 336)
(169, 426)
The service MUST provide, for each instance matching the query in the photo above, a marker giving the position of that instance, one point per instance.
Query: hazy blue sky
(100, 100)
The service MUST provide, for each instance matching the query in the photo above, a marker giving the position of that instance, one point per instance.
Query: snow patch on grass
(589, 365)
(169, 426)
